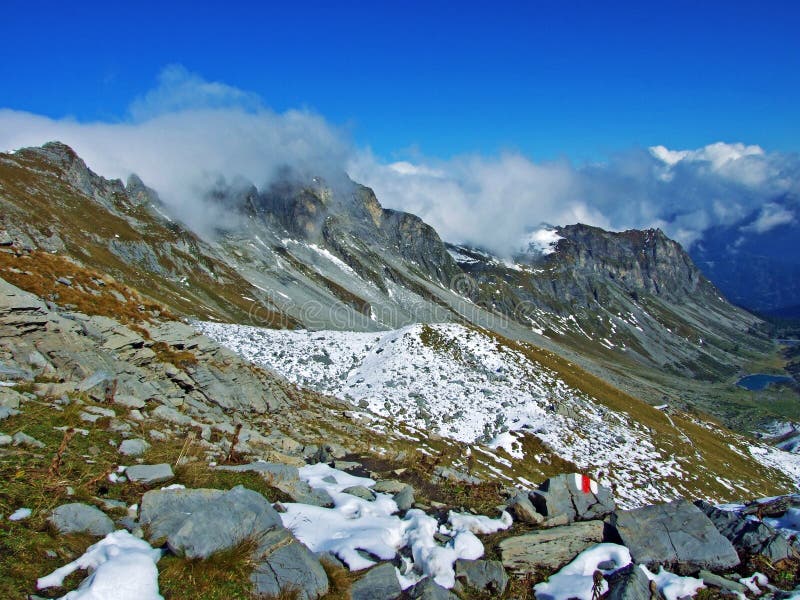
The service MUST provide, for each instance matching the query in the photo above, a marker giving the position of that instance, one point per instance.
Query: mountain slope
(629, 307)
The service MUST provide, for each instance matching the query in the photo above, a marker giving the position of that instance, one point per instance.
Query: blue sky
(548, 79)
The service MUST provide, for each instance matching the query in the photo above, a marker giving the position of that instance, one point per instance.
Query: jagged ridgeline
(630, 307)
(333, 339)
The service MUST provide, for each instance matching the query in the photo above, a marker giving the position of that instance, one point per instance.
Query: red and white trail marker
(584, 484)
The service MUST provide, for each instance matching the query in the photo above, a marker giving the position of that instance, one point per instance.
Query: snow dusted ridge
(542, 241)
(464, 385)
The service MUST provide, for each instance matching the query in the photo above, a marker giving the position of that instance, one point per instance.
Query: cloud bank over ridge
(187, 134)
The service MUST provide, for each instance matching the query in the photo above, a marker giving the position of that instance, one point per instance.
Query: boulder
(150, 474)
(133, 447)
(379, 583)
(482, 575)
(749, 537)
(549, 549)
(428, 589)
(81, 518)
(522, 509)
(678, 534)
(10, 398)
(575, 496)
(200, 523)
(287, 566)
(6, 412)
(629, 583)
(5, 440)
(286, 478)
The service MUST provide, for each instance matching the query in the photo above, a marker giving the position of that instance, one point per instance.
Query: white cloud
(186, 134)
(771, 216)
(196, 133)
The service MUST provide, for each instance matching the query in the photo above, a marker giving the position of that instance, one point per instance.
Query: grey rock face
(629, 583)
(81, 518)
(677, 534)
(748, 537)
(562, 495)
(133, 447)
(549, 548)
(150, 474)
(483, 575)
(428, 589)
(379, 583)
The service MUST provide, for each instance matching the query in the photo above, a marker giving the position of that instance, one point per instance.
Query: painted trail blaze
(584, 484)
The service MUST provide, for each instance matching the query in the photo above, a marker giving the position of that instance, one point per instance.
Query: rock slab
(549, 548)
(677, 533)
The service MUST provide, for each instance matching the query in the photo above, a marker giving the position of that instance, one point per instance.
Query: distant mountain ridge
(327, 256)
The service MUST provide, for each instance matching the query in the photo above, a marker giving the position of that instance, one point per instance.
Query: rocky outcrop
(749, 536)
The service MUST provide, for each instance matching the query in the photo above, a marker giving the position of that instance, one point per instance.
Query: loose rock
(150, 474)
(81, 518)
(549, 548)
(379, 583)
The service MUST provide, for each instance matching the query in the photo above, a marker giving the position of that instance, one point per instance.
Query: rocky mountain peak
(638, 259)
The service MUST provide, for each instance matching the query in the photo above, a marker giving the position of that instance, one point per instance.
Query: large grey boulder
(150, 474)
(379, 583)
(81, 518)
(549, 548)
(749, 537)
(629, 583)
(482, 575)
(678, 534)
(10, 398)
(200, 523)
(564, 495)
(428, 589)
